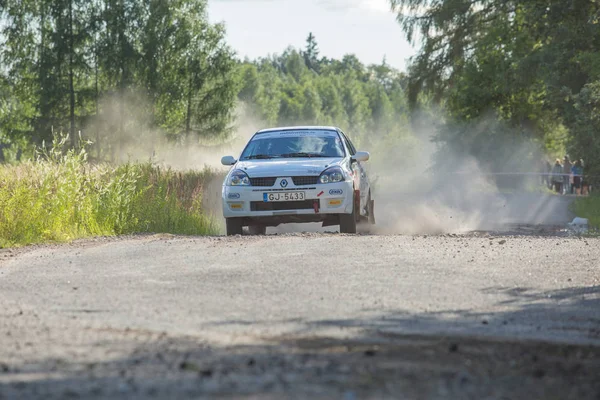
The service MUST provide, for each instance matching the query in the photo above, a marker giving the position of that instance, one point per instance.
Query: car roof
(299, 128)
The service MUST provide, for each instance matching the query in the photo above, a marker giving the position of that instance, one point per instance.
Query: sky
(367, 28)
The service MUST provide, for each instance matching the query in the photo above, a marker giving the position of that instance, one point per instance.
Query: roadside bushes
(589, 207)
(60, 197)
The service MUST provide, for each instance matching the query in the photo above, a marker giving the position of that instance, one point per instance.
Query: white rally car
(297, 174)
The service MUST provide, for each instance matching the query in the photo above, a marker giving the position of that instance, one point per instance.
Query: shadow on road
(572, 309)
(456, 354)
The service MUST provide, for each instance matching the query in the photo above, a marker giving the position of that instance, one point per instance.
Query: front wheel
(234, 226)
(348, 221)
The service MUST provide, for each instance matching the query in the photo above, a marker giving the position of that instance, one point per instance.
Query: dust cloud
(433, 189)
(416, 201)
(419, 186)
(424, 187)
(123, 132)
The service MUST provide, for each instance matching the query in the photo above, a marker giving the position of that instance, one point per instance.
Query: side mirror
(228, 160)
(361, 156)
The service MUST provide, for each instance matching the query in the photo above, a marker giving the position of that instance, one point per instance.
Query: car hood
(287, 167)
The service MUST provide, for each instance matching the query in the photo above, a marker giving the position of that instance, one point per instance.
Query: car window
(292, 144)
(349, 144)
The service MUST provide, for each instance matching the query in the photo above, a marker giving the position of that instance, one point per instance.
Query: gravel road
(474, 316)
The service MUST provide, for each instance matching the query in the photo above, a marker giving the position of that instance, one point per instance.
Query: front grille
(282, 205)
(305, 180)
(263, 182)
(298, 181)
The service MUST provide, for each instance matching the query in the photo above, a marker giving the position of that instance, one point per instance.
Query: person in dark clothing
(585, 185)
(577, 171)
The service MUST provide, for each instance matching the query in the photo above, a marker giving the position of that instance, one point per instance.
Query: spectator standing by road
(557, 176)
(566, 175)
(585, 184)
(577, 171)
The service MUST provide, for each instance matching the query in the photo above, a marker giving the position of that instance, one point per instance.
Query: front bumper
(248, 201)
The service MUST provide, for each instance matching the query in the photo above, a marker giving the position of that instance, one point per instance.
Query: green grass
(588, 207)
(60, 197)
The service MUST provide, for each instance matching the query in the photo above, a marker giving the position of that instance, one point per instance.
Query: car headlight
(332, 175)
(238, 178)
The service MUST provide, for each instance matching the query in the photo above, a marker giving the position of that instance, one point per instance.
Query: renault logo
(283, 183)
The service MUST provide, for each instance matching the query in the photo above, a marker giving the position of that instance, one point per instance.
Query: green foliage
(588, 207)
(94, 66)
(585, 138)
(298, 87)
(522, 62)
(311, 54)
(60, 197)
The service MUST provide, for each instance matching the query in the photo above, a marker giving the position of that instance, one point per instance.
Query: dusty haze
(412, 196)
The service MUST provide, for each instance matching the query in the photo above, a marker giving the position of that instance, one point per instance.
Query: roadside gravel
(302, 315)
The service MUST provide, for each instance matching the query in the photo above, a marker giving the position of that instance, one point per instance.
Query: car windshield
(294, 144)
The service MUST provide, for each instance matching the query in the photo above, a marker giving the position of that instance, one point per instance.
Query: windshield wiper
(259, 157)
(293, 155)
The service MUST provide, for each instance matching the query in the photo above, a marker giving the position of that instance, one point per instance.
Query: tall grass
(60, 197)
(589, 207)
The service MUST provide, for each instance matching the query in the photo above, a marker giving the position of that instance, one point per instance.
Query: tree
(333, 112)
(292, 103)
(293, 64)
(311, 53)
(250, 83)
(585, 138)
(522, 63)
(355, 102)
(381, 119)
(120, 70)
(195, 68)
(270, 99)
(369, 101)
(312, 109)
(534, 42)
(19, 56)
(116, 68)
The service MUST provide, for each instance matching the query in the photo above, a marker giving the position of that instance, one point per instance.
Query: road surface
(474, 316)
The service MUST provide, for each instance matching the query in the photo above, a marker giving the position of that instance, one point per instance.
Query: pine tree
(311, 53)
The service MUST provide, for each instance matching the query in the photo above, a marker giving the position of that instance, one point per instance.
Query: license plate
(288, 196)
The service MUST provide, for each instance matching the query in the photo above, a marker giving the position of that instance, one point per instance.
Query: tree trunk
(42, 74)
(124, 73)
(71, 85)
(188, 117)
(96, 95)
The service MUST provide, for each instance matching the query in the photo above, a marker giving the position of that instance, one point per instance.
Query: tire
(348, 221)
(369, 218)
(234, 226)
(257, 230)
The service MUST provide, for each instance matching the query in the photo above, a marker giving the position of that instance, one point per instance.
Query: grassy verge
(588, 207)
(60, 197)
